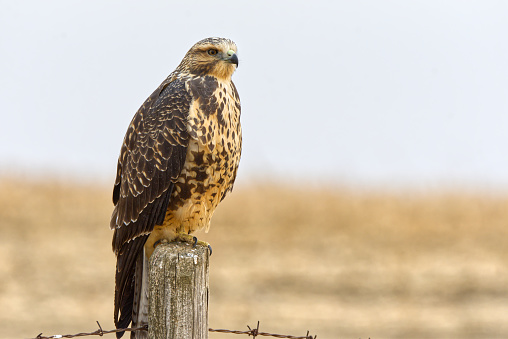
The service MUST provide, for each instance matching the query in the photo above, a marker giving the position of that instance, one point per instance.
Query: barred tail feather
(125, 284)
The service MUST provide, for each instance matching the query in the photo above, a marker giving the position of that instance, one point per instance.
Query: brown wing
(151, 159)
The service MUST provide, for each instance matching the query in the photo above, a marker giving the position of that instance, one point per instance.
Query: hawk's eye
(212, 51)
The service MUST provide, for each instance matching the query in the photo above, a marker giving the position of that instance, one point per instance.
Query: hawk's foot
(193, 240)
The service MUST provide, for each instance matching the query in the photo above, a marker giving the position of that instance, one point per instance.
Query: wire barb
(101, 332)
(254, 332)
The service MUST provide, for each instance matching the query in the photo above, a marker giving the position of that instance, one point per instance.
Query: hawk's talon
(195, 241)
(210, 248)
(160, 241)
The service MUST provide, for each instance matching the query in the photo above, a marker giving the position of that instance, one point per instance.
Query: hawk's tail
(125, 281)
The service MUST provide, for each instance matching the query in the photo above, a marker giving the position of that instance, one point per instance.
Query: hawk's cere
(178, 161)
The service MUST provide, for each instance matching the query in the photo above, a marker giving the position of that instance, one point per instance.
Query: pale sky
(356, 92)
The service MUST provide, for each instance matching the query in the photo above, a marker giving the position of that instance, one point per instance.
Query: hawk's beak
(232, 57)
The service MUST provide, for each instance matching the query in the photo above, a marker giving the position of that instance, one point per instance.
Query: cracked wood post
(178, 292)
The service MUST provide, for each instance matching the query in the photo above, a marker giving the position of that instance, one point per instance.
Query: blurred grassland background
(341, 263)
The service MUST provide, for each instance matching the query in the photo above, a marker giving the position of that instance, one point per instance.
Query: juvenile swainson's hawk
(178, 161)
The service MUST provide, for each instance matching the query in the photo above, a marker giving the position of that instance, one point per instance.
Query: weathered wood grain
(178, 292)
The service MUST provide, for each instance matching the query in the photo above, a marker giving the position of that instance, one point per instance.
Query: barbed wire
(254, 332)
(99, 332)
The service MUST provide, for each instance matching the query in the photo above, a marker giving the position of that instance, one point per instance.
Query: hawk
(178, 160)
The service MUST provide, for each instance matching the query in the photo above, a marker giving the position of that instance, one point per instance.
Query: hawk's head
(211, 56)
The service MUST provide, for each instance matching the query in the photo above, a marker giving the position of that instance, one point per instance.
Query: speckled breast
(213, 154)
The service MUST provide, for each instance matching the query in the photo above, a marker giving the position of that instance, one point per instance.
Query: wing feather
(151, 159)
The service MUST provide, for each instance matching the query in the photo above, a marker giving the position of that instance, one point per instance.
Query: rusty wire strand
(100, 332)
(254, 334)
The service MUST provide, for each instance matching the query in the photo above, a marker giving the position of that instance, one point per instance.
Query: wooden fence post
(178, 292)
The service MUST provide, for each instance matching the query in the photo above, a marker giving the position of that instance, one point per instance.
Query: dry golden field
(340, 263)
